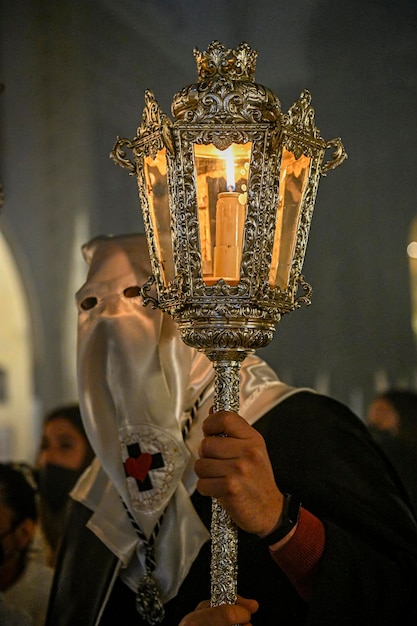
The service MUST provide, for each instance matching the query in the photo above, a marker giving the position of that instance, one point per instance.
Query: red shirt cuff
(300, 556)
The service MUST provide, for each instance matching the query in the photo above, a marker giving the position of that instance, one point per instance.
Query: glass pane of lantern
(158, 199)
(292, 185)
(222, 184)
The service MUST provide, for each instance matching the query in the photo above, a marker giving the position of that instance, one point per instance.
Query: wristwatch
(289, 519)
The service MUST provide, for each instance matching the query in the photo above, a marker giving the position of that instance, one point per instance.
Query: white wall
(18, 424)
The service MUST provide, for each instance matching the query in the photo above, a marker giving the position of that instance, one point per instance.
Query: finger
(235, 474)
(224, 615)
(220, 448)
(229, 423)
(220, 488)
(251, 605)
(210, 468)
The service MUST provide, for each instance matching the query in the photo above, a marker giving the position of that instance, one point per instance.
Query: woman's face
(62, 444)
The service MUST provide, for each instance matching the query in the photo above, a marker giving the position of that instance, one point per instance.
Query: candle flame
(230, 169)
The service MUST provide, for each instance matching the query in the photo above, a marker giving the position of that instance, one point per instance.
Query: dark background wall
(75, 72)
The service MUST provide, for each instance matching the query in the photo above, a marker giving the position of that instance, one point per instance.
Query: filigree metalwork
(146, 297)
(120, 157)
(218, 60)
(224, 534)
(154, 131)
(148, 602)
(228, 320)
(300, 118)
(152, 135)
(226, 91)
(224, 541)
(227, 381)
(214, 341)
(338, 155)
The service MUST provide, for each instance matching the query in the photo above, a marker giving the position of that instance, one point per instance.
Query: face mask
(55, 483)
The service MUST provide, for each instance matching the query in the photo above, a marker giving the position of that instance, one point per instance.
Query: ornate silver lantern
(227, 191)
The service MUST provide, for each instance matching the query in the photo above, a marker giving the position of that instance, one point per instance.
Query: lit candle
(230, 222)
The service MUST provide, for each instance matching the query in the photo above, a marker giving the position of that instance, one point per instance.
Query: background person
(392, 421)
(64, 454)
(25, 583)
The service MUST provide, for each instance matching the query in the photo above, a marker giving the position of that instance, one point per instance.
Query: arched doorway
(18, 416)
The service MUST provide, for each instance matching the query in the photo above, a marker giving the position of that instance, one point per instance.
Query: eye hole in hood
(132, 292)
(88, 303)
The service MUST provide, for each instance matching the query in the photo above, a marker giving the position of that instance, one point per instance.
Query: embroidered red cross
(139, 464)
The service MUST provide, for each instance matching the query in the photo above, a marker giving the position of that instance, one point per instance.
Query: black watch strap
(289, 519)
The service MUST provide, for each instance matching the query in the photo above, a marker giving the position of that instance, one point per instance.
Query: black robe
(368, 572)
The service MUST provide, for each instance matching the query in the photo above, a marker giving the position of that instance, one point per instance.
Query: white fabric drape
(138, 383)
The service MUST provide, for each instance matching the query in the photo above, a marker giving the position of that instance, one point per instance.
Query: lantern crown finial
(218, 60)
(226, 92)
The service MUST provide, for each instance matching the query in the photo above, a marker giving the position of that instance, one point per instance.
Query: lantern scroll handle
(338, 156)
(118, 155)
(146, 298)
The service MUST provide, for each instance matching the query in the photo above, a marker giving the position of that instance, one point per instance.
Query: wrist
(287, 521)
